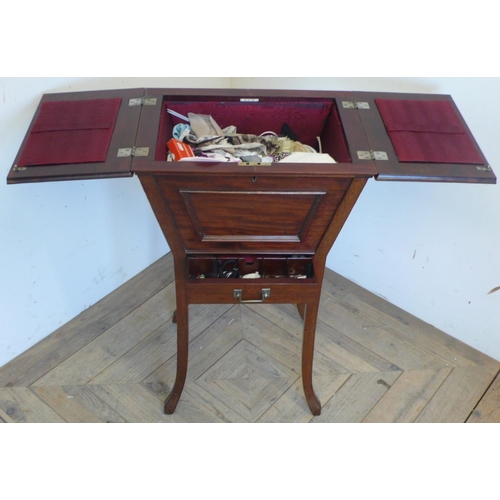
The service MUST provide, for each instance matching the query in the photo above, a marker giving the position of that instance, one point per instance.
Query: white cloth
(308, 158)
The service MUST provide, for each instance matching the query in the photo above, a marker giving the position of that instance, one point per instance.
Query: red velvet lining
(427, 131)
(305, 118)
(68, 132)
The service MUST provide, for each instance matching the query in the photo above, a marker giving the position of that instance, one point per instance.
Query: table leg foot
(182, 320)
(311, 314)
(312, 401)
(174, 396)
(171, 402)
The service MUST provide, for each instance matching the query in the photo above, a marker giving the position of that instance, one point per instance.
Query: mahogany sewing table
(277, 219)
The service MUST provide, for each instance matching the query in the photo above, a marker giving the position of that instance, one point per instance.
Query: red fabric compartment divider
(427, 131)
(68, 132)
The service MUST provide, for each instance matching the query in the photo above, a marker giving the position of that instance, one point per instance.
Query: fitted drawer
(273, 291)
(251, 278)
(222, 267)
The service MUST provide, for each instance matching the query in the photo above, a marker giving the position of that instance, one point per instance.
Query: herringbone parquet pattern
(115, 362)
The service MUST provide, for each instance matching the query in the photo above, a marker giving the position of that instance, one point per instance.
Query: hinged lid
(78, 135)
(423, 138)
(113, 133)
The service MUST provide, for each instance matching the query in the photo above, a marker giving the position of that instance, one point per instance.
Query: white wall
(432, 249)
(65, 245)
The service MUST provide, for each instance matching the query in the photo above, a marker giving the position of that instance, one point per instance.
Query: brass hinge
(143, 101)
(355, 105)
(372, 155)
(124, 152)
(15, 168)
(485, 168)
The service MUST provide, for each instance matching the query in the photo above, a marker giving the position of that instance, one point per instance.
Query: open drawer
(250, 278)
(275, 291)
(275, 267)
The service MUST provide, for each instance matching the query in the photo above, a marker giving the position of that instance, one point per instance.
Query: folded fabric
(217, 154)
(308, 158)
(270, 144)
(203, 125)
(180, 131)
(211, 158)
(305, 118)
(287, 145)
(237, 150)
(207, 139)
(236, 144)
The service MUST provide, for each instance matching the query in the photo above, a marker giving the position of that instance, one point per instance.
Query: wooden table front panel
(243, 213)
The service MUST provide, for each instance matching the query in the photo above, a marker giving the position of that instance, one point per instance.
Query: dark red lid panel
(79, 135)
(71, 132)
(427, 131)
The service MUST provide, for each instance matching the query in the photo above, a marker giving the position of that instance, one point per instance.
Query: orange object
(180, 149)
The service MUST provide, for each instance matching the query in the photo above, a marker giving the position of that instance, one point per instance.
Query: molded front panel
(225, 216)
(251, 213)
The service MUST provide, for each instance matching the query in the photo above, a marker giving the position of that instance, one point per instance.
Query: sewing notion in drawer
(250, 279)
(250, 267)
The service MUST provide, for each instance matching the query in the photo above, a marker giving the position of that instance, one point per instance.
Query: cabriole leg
(311, 314)
(182, 320)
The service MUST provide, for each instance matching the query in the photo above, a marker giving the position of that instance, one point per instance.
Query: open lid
(420, 137)
(94, 135)
(79, 135)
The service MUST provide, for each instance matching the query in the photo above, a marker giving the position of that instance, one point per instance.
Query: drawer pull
(238, 293)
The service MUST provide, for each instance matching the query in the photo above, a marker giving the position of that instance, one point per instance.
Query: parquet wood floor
(115, 362)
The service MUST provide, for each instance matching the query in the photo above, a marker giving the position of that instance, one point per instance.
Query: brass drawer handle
(238, 293)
